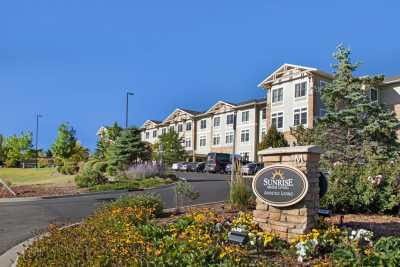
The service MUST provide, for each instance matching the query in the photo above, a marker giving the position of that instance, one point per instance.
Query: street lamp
(233, 166)
(127, 108)
(37, 139)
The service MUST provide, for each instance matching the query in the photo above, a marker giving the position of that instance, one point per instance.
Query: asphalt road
(22, 220)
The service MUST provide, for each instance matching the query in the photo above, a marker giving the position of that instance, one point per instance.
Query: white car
(176, 166)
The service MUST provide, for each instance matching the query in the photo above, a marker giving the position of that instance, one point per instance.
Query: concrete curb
(10, 257)
(26, 199)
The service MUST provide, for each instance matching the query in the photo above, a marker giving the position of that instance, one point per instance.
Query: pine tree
(355, 129)
(126, 150)
(172, 148)
(273, 138)
(64, 145)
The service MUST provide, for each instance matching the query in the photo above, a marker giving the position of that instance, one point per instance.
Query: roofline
(219, 101)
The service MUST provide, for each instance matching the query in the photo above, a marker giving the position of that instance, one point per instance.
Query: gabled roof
(191, 113)
(151, 123)
(287, 70)
(392, 79)
(219, 103)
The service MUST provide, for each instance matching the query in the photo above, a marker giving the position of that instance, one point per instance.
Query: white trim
(283, 119)
(219, 102)
(280, 103)
(300, 108)
(304, 68)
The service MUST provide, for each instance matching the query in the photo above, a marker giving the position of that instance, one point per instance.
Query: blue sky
(73, 61)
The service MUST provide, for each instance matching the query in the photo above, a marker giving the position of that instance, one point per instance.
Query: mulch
(40, 190)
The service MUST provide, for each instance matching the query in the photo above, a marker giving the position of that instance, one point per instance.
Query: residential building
(292, 99)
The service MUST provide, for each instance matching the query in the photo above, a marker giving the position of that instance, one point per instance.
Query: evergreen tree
(107, 136)
(64, 145)
(126, 150)
(304, 136)
(2, 152)
(172, 148)
(273, 138)
(355, 129)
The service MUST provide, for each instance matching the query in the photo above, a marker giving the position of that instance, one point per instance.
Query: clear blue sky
(73, 60)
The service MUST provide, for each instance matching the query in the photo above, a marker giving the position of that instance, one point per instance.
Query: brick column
(300, 218)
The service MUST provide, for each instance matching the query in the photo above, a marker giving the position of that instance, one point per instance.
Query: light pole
(127, 108)
(233, 166)
(37, 139)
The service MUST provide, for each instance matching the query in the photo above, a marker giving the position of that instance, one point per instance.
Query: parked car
(183, 166)
(228, 168)
(216, 162)
(200, 166)
(251, 168)
(195, 166)
(176, 166)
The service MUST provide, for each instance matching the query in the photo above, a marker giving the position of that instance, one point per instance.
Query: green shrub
(68, 168)
(91, 174)
(371, 187)
(143, 200)
(240, 195)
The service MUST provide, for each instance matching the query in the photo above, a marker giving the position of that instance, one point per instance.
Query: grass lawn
(18, 176)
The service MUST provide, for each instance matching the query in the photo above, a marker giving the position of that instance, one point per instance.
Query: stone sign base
(300, 218)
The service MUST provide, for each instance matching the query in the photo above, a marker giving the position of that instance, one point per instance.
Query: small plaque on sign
(280, 185)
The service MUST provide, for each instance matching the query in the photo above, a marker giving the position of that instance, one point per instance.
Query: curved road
(22, 220)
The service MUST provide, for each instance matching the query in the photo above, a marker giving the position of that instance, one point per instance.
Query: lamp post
(233, 166)
(127, 108)
(37, 139)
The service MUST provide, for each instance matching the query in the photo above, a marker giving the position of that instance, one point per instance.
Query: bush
(145, 200)
(240, 194)
(131, 184)
(141, 171)
(371, 187)
(91, 173)
(69, 168)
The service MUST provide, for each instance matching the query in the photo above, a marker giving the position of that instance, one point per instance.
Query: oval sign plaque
(280, 185)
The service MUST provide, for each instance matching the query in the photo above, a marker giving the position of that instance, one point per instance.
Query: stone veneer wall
(290, 222)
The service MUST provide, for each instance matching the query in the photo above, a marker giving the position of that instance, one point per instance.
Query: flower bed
(127, 233)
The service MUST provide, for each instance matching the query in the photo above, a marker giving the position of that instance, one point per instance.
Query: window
(188, 142)
(277, 95)
(216, 140)
(154, 133)
(147, 135)
(264, 114)
(171, 128)
(229, 119)
(245, 116)
(277, 120)
(229, 138)
(373, 94)
(217, 121)
(263, 132)
(203, 140)
(203, 124)
(300, 89)
(180, 128)
(300, 116)
(163, 131)
(188, 126)
(245, 136)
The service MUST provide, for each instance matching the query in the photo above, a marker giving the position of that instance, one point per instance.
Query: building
(292, 99)
(212, 130)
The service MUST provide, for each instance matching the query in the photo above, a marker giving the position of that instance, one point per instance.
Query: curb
(10, 257)
(27, 199)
